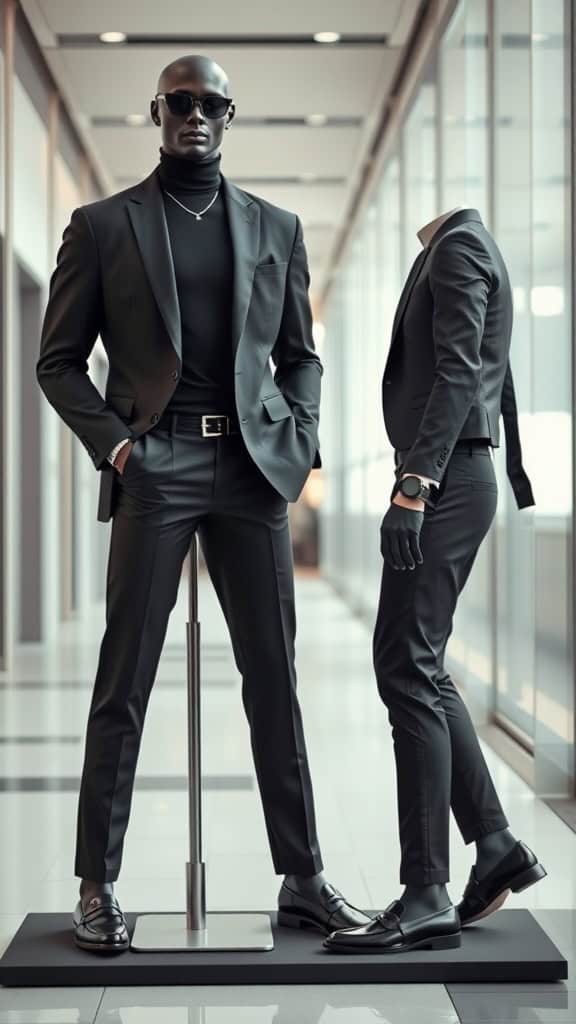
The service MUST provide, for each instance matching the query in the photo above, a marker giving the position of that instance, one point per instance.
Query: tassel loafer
(516, 871)
(392, 932)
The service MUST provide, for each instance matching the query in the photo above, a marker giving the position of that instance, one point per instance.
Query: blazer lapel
(244, 222)
(407, 290)
(146, 210)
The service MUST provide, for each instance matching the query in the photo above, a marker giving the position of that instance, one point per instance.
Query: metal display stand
(197, 931)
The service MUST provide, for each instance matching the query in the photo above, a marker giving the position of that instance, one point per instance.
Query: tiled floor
(46, 697)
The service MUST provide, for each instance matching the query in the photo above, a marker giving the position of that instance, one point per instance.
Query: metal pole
(195, 868)
(196, 931)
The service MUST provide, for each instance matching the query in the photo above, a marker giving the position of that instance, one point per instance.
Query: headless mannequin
(420, 900)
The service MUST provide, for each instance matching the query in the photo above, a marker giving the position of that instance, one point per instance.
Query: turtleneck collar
(179, 172)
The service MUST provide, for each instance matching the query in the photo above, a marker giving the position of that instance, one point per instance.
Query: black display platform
(509, 946)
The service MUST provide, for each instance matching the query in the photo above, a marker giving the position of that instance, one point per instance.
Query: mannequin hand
(400, 535)
(122, 456)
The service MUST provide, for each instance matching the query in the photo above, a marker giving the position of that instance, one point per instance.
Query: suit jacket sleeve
(298, 367)
(460, 280)
(71, 325)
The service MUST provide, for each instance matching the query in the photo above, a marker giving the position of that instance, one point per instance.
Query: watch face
(410, 487)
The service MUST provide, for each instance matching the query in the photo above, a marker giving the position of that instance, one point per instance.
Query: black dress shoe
(326, 910)
(390, 932)
(515, 872)
(99, 925)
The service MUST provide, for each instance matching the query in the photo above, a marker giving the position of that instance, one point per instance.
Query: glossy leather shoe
(325, 911)
(515, 872)
(99, 925)
(390, 932)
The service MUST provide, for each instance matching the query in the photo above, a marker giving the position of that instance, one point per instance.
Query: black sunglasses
(180, 104)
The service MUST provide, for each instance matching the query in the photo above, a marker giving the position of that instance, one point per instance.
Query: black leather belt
(207, 425)
(471, 442)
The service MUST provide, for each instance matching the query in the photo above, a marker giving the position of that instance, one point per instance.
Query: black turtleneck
(203, 264)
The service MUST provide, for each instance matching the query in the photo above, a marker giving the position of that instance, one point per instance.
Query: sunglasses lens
(178, 103)
(214, 106)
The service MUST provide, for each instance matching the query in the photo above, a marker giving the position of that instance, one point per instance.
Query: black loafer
(390, 932)
(325, 912)
(516, 871)
(100, 926)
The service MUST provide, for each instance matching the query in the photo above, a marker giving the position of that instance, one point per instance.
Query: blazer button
(154, 417)
(174, 374)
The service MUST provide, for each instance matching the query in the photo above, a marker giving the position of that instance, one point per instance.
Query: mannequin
(446, 382)
(420, 900)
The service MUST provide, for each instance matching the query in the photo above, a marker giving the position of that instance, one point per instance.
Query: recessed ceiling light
(326, 37)
(136, 119)
(308, 176)
(316, 119)
(540, 37)
(112, 37)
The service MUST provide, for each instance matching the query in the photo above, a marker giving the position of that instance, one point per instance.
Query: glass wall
(550, 437)
(487, 127)
(512, 225)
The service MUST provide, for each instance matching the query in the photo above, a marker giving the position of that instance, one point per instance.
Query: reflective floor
(43, 708)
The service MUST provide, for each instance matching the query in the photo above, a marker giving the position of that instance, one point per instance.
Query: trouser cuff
(484, 828)
(305, 868)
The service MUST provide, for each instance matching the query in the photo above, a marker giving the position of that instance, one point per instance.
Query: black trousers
(175, 482)
(439, 763)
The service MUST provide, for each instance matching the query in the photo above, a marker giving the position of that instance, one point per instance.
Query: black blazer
(448, 374)
(114, 276)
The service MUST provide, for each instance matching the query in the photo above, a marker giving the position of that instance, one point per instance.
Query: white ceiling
(268, 80)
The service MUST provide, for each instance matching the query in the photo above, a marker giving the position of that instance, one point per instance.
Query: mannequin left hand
(400, 533)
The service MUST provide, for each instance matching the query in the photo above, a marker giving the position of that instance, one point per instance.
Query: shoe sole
(93, 947)
(439, 942)
(522, 881)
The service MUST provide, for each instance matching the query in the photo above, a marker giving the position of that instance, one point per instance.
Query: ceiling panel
(253, 16)
(284, 81)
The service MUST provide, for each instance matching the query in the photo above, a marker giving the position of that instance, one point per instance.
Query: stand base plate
(225, 932)
(508, 946)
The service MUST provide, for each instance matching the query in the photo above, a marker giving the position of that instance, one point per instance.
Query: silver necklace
(200, 212)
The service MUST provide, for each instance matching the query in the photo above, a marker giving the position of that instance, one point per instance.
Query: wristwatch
(414, 487)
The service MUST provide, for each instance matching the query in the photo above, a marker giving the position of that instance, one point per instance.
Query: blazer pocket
(277, 407)
(122, 404)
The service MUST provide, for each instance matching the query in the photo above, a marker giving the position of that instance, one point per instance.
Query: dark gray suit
(447, 379)
(448, 375)
(115, 276)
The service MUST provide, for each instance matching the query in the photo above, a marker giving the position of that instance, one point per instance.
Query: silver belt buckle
(207, 432)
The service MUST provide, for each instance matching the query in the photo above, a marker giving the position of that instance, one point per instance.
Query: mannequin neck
(426, 234)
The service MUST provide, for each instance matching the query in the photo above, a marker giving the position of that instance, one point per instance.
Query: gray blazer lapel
(146, 210)
(244, 222)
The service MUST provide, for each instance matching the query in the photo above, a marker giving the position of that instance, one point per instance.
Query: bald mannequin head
(200, 76)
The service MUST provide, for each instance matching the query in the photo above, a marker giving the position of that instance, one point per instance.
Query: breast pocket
(270, 266)
(267, 299)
